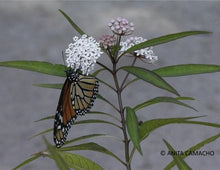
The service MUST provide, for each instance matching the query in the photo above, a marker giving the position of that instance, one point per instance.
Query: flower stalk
(123, 121)
(115, 48)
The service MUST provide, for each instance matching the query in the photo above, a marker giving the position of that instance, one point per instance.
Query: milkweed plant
(82, 55)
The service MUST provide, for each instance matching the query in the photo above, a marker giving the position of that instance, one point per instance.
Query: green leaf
(72, 23)
(148, 126)
(90, 112)
(186, 69)
(184, 98)
(37, 66)
(193, 148)
(182, 165)
(79, 162)
(85, 137)
(105, 114)
(96, 121)
(56, 156)
(130, 82)
(59, 85)
(163, 39)
(183, 70)
(77, 123)
(41, 133)
(150, 77)
(92, 147)
(103, 82)
(52, 86)
(105, 100)
(97, 72)
(26, 162)
(162, 99)
(151, 125)
(45, 118)
(203, 123)
(133, 130)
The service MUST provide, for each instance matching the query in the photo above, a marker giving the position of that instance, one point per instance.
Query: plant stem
(135, 58)
(104, 67)
(123, 121)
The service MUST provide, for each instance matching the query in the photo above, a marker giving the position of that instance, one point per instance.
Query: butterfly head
(72, 76)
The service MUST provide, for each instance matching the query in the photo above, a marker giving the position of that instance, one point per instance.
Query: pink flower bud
(121, 26)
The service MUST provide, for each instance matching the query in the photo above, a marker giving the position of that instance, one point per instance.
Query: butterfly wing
(65, 115)
(84, 93)
(76, 98)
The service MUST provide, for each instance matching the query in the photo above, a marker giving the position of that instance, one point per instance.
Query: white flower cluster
(83, 53)
(146, 52)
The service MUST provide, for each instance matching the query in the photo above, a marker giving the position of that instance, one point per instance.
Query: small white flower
(83, 53)
(146, 52)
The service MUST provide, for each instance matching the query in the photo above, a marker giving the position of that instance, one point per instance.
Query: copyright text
(187, 153)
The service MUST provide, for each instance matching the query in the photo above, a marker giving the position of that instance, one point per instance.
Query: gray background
(37, 31)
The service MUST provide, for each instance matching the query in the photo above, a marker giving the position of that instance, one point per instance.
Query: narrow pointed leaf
(184, 98)
(105, 100)
(80, 122)
(150, 77)
(41, 133)
(162, 99)
(105, 114)
(108, 85)
(72, 23)
(26, 162)
(182, 165)
(90, 112)
(163, 39)
(193, 148)
(59, 85)
(52, 86)
(133, 130)
(130, 82)
(96, 121)
(97, 72)
(45, 118)
(79, 162)
(183, 70)
(186, 69)
(37, 66)
(56, 156)
(151, 125)
(203, 123)
(148, 126)
(92, 147)
(84, 137)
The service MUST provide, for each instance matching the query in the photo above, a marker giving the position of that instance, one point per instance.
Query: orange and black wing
(84, 93)
(65, 115)
(77, 97)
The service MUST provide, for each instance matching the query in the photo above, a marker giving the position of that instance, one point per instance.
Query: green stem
(123, 121)
(117, 48)
(132, 154)
(106, 84)
(130, 82)
(104, 67)
(135, 58)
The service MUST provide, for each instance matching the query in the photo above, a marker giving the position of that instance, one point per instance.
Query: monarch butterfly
(76, 98)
